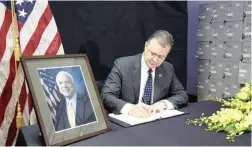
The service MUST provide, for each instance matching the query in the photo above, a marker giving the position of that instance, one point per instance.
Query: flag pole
(17, 53)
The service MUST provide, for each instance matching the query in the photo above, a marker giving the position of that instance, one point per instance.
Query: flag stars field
(22, 13)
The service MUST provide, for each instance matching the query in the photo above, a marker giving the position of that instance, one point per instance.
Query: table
(172, 131)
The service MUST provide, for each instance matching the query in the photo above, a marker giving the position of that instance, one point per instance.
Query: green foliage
(234, 118)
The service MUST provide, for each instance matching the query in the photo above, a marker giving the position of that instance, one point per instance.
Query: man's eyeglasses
(159, 57)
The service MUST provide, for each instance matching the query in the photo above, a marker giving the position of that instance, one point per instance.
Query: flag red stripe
(30, 105)
(54, 46)
(3, 32)
(7, 90)
(23, 96)
(13, 127)
(35, 39)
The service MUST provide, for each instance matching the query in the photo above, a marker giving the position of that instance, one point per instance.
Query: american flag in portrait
(38, 35)
(52, 95)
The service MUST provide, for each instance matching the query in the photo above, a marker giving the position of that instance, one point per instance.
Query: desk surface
(172, 131)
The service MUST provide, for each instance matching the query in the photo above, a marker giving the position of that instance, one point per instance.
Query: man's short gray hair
(163, 37)
(65, 73)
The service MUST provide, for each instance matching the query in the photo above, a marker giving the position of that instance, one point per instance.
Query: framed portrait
(66, 100)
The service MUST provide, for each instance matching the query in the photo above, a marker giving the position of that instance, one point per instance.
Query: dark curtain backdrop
(108, 30)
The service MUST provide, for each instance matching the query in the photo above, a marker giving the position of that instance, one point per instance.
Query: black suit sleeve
(177, 95)
(91, 118)
(112, 89)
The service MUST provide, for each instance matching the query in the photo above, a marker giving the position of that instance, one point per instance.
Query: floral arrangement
(235, 116)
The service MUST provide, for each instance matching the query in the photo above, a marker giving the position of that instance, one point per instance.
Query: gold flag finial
(19, 117)
(17, 53)
(17, 49)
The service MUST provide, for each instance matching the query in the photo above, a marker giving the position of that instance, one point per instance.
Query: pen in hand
(146, 107)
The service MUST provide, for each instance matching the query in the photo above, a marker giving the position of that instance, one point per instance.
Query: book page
(170, 113)
(132, 120)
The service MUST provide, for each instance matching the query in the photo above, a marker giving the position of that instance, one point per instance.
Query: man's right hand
(140, 110)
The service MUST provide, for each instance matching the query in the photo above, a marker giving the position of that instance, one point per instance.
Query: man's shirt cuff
(125, 109)
(169, 105)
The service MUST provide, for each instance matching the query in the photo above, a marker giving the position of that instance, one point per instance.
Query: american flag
(51, 93)
(38, 35)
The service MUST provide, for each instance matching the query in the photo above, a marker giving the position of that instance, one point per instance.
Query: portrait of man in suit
(74, 109)
(144, 83)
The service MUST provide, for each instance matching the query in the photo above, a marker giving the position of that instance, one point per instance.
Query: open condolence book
(128, 120)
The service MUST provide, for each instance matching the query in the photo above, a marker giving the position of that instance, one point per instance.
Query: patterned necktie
(71, 115)
(148, 88)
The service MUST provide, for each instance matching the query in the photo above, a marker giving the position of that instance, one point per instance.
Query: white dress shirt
(72, 101)
(144, 77)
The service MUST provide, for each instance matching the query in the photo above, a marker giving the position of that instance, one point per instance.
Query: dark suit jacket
(123, 84)
(84, 113)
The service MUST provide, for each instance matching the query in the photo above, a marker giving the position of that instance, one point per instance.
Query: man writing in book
(144, 83)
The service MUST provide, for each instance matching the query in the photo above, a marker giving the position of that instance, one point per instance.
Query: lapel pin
(160, 75)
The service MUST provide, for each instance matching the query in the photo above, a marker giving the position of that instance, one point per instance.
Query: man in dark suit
(138, 85)
(73, 110)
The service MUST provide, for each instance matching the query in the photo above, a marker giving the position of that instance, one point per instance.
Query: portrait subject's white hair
(64, 73)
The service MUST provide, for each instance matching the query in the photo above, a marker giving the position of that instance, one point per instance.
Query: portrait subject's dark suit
(84, 113)
(123, 84)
